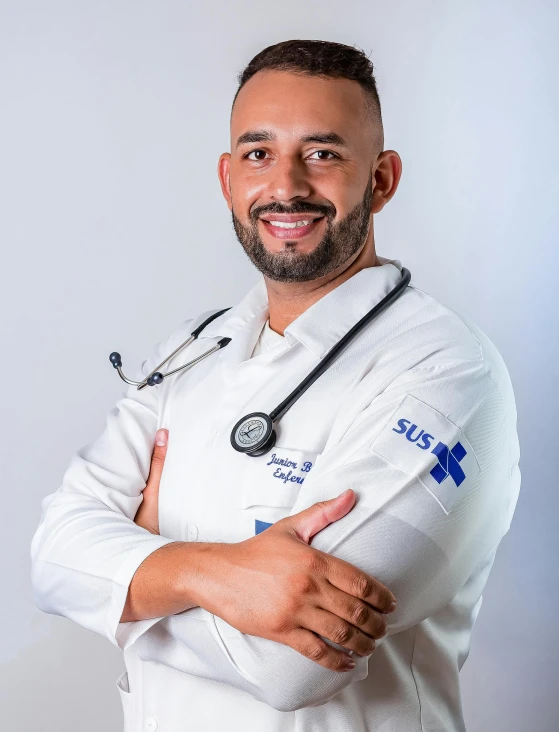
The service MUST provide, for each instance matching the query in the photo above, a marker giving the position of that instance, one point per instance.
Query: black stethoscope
(254, 434)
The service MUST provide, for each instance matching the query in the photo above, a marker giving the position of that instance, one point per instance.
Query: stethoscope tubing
(265, 438)
(326, 360)
(192, 337)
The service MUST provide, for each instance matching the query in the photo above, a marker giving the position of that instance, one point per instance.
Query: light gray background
(113, 230)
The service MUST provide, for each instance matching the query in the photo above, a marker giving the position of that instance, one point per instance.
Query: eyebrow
(325, 138)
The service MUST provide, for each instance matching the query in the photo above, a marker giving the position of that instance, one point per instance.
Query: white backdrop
(113, 229)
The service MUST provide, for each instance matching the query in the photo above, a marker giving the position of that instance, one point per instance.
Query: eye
(329, 152)
(246, 155)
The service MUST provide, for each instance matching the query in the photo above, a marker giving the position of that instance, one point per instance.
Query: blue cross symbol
(449, 463)
(259, 526)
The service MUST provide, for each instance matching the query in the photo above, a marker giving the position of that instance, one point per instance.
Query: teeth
(290, 224)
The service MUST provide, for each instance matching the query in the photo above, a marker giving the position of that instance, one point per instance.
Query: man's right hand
(274, 585)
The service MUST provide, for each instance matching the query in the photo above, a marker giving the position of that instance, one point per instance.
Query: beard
(339, 243)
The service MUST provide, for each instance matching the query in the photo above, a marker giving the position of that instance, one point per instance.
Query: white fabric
(267, 339)
(419, 378)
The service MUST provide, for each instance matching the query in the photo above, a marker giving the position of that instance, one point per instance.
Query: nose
(288, 180)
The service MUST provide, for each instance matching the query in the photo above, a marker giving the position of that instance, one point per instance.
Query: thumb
(158, 457)
(309, 522)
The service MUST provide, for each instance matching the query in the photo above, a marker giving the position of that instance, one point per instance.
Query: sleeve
(433, 461)
(87, 547)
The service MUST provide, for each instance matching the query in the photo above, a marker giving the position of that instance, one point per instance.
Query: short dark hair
(320, 58)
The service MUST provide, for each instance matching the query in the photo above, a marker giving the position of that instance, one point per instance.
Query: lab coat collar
(329, 319)
(319, 327)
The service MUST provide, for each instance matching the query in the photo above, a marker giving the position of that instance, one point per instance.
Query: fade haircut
(324, 59)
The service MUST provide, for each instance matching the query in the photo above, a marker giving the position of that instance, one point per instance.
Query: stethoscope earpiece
(156, 377)
(115, 359)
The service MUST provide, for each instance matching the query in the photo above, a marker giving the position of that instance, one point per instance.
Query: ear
(223, 172)
(387, 173)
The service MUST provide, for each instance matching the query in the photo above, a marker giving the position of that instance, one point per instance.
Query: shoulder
(459, 386)
(440, 341)
(434, 369)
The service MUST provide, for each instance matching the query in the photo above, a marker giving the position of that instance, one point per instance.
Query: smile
(291, 229)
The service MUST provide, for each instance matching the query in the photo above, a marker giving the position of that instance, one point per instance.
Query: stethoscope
(254, 434)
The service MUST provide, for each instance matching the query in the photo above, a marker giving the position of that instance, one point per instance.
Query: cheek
(336, 189)
(245, 187)
(245, 196)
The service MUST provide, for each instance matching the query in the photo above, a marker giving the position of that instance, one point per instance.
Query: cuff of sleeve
(120, 634)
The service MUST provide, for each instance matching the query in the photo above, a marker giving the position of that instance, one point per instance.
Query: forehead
(291, 104)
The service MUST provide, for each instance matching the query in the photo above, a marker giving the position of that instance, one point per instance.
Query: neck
(287, 300)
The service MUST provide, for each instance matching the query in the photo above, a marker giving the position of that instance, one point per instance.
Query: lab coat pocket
(126, 700)
(276, 478)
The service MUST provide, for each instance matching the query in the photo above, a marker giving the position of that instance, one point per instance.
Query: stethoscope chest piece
(254, 434)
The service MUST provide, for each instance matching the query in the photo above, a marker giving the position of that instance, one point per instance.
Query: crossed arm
(87, 547)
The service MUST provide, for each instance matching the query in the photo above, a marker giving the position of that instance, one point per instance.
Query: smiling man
(309, 169)
(331, 582)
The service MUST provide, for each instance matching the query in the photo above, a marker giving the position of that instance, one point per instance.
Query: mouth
(295, 229)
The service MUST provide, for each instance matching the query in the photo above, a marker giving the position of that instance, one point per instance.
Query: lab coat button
(151, 724)
(192, 532)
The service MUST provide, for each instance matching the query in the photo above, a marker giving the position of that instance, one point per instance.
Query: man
(257, 593)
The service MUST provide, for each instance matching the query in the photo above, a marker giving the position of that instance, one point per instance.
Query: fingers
(310, 645)
(309, 522)
(353, 581)
(340, 631)
(350, 610)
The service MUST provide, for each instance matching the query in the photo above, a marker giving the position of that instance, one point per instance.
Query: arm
(87, 547)
(93, 564)
(421, 538)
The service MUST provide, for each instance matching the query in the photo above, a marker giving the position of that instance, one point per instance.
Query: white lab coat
(417, 415)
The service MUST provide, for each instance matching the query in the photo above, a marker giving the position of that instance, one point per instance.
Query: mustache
(298, 208)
